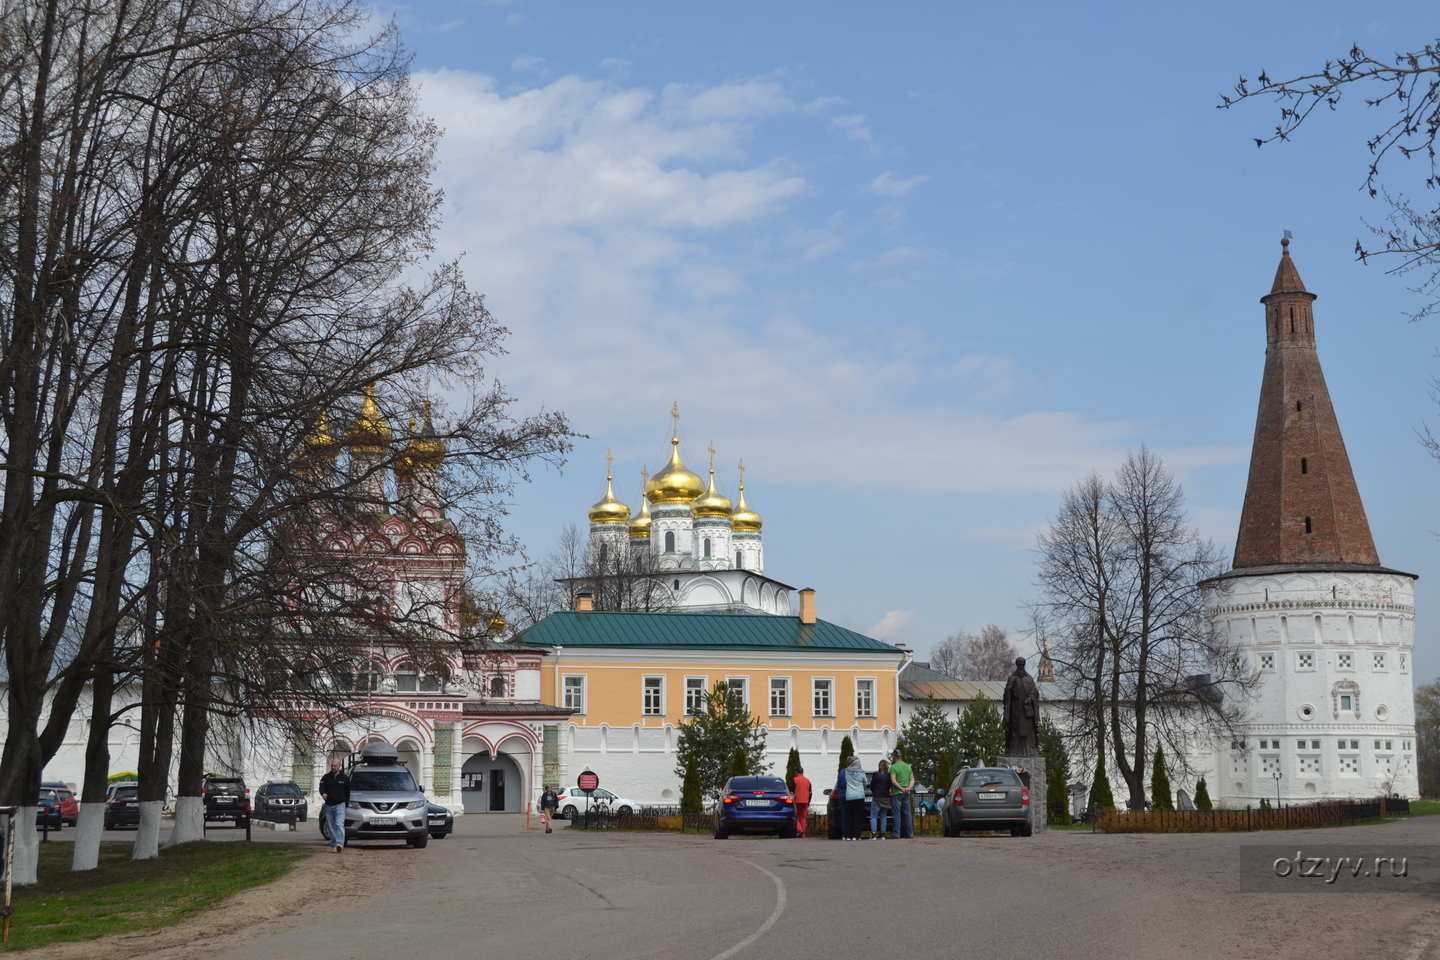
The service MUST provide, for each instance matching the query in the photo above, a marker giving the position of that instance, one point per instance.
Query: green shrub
(1202, 796)
(1161, 798)
(691, 799)
(1100, 796)
(740, 763)
(1057, 770)
(847, 750)
(792, 767)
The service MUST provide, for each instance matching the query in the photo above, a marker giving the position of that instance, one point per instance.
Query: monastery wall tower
(1329, 630)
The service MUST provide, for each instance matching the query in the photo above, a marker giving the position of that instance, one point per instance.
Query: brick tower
(1328, 630)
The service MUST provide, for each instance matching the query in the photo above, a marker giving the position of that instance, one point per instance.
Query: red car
(69, 806)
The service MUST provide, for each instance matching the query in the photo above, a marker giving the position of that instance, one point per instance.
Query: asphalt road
(494, 890)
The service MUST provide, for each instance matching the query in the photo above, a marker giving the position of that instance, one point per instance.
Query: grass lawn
(1424, 808)
(123, 895)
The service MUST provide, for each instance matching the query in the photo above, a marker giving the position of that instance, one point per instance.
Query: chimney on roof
(807, 605)
(584, 602)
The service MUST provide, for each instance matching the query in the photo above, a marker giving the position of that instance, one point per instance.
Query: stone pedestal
(1032, 771)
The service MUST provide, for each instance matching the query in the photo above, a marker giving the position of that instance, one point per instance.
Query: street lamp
(1277, 775)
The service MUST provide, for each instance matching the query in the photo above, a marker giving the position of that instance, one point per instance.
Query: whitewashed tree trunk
(189, 820)
(88, 829)
(27, 846)
(147, 835)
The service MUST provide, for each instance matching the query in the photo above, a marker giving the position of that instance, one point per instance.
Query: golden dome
(609, 510)
(321, 443)
(744, 520)
(713, 504)
(369, 431)
(425, 449)
(640, 526)
(674, 484)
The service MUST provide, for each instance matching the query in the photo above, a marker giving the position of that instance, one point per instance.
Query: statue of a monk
(1022, 713)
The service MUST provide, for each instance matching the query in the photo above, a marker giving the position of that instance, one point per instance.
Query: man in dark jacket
(549, 800)
(335, 790)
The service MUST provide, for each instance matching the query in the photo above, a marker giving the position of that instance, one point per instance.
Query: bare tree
(1409, 85)
(621, 582)
(987, 655)
(1119, 573)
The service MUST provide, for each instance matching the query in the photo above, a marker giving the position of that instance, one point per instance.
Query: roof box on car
(380, 753)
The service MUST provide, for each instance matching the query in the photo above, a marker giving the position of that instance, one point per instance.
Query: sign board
(588, 781)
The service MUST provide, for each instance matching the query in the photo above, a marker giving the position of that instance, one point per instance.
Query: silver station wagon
(988, 798)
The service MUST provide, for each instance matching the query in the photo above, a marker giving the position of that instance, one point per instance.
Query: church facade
(1328, 629)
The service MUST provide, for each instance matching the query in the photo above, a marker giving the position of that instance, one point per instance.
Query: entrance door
(497, 791)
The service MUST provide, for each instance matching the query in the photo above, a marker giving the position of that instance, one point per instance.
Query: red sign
(588, 781)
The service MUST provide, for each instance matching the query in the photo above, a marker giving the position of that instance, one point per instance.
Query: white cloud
(892, 624)
(853, 125)
(528, 64)
(888, 185)
(614, 230)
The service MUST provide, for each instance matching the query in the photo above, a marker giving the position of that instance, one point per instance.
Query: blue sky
(922, 267)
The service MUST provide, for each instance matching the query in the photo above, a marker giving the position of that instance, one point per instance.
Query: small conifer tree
(847, 750)
(1100, 796)
(1161, 797)
(792, 767)
(1057, 770)
(1202, 796)
(691, 800)
(944, 773)
(740, 763)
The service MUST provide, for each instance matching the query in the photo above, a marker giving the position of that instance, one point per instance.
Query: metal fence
(1323, 814)
(927, 824)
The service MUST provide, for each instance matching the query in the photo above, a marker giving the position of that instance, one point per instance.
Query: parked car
(442, 821)
(385, 802)
(279, 799)
(122, 805)
(571, 803)
(988, 798)
(69, 805)
(48, 810)
(755, 803)
(226, 798)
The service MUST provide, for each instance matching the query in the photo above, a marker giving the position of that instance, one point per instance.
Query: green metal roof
(695, 630)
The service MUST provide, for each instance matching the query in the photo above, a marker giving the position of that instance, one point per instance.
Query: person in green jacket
(902, 822)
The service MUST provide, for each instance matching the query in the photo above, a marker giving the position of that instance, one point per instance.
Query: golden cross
(644, 473)
(742, 472)
(675, 419)
(711, 448)
(609, 460)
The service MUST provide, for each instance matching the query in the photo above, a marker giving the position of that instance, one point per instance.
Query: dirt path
(318, 886)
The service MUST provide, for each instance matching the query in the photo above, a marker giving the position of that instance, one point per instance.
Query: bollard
(247, 828)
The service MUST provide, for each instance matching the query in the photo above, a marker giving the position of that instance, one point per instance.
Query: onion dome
(321, 444)
(745, 520)
(369, 432)
(640, 526)
(609, 510)
(425, 449)
(674, 484)
(713, 504)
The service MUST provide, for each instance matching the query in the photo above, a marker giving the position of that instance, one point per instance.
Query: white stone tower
(745, 533)
(1329, 631)
(711, 514)
(609, 529)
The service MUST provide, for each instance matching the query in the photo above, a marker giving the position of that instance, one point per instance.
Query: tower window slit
(707, 547)
(669, 541)
(1307, 524)
(1297, 406)
(1304, 465)
(739, 561)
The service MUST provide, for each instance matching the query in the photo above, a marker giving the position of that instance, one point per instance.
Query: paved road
(494, 890)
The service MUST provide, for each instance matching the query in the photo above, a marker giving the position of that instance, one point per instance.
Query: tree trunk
(97, 770)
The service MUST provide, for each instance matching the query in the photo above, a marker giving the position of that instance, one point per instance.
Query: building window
(1348, 744)
(1345, 661)
(604, 553)
(497, 687)
(707, 548)
(864, 698)
(1267, 662)
(434, 679)
(739, 561)
(575, 694)
(1347, 702)
(1310, 765)
(694, 696)
(1304, 661)
(653, 699)
(1307, 525)
(739, 686)
(669, 541)
(779, 697)
(1379, 662)
(1350, 765)
(1269, 765)
(822, 698)
(406, 679)
(1304, 465)
(1403, 662)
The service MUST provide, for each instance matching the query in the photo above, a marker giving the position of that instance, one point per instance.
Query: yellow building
(630, 679)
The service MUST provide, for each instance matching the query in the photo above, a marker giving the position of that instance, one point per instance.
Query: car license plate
(383, 822)
(437, 823)
(992, 796)
(757, 803)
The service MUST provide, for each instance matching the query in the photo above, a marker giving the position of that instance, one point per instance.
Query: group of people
(890, 789)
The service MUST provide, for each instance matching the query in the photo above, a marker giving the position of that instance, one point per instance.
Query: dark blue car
(759, 804)
(49, 810)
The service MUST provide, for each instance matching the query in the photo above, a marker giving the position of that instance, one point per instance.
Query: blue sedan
(761, 804)
(49, 810)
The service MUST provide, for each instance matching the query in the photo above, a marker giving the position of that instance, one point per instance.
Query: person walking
(880, 789)
(548, 803)
(802, 791)
(335, 791)
(854, 779)
(902, 818)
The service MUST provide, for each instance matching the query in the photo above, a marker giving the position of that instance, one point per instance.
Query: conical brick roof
(1301, 504)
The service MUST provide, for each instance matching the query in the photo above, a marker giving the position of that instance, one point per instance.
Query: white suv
(385, 802)
(572, 803)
